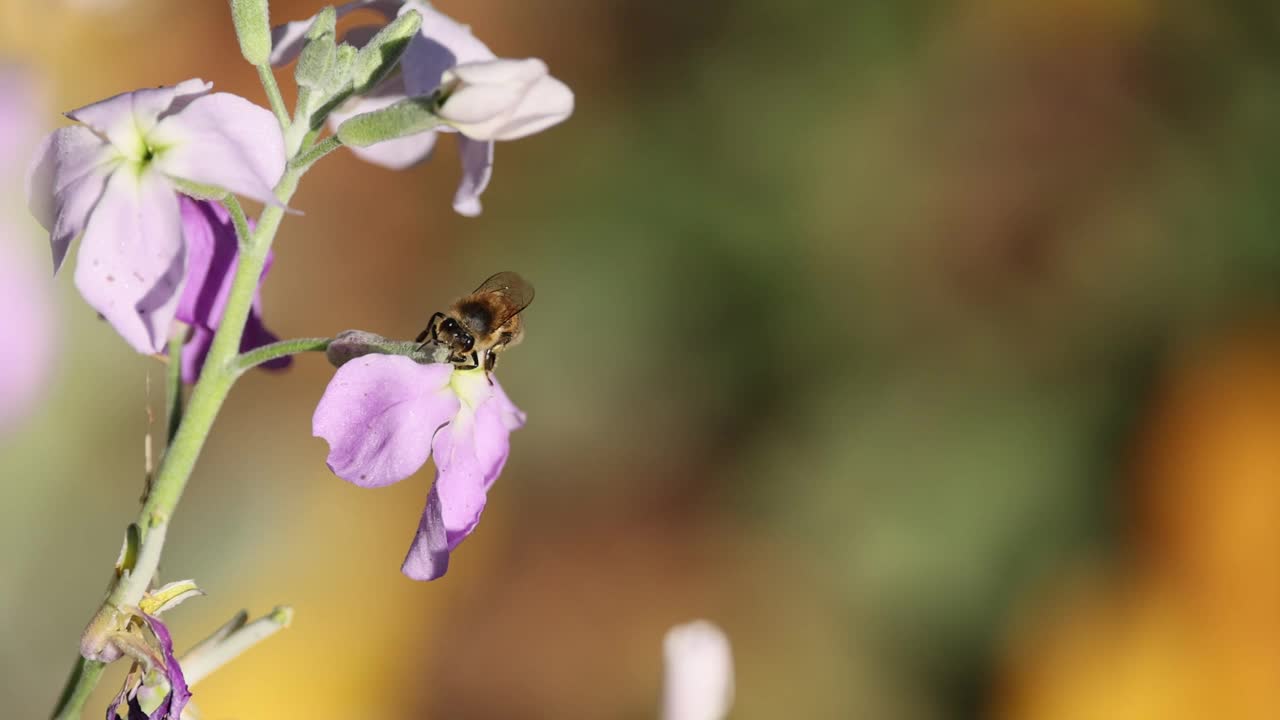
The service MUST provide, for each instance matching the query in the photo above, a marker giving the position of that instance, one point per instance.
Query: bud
(253, 29)
(698, 682)
(379, 57)
(318, 55)
(407, 117)
(503, 99)
(351, 344)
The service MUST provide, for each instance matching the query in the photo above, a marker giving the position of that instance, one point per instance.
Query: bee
(482, 324)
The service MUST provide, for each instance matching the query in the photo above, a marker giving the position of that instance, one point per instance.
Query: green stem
(284, 348)
(84, 677)
(238, 219)
(210, 391)
(319, 150)
(273, 95)
(173, 386)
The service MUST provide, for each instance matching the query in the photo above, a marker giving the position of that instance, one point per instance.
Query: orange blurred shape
(1191, 628)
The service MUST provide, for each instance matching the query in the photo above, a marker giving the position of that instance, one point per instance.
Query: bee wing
(514, 291)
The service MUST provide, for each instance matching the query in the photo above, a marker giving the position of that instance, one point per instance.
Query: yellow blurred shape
(1192, 629)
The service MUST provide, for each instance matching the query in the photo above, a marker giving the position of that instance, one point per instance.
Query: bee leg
(430, 330)
(490, 362)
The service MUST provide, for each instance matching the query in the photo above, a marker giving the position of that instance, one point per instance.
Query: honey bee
(482, 324)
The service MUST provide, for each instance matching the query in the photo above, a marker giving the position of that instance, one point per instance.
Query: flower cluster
(483, 98)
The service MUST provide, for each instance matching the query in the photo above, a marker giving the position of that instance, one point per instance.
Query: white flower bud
(503, 99)
(698, 683)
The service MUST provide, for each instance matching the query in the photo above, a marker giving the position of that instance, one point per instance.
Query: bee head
(455, 335)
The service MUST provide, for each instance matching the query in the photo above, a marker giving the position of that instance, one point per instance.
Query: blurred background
(932, 349)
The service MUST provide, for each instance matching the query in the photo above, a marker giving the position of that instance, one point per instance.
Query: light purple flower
(111, 181)
(698, 672)
(26, 293)
(140, 683)
(384, 415)
(212, 257)
(526, 104)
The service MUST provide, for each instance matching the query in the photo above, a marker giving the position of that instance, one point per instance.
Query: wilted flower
(26, 298)
(213, 253)
(155, 681)
(112, 182)
(698, 672)
(497, 99)
(384, 415)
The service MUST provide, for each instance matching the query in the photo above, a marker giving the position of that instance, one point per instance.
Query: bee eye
(470, 342)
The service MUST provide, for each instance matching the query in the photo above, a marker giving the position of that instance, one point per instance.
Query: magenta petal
(379, 414)
(179, 694)
(212, 258)
(67, 177)
(224, 141)
(428, 556)
(131, 259)
(477, 168)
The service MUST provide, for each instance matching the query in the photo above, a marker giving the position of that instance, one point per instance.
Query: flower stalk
(207, 397)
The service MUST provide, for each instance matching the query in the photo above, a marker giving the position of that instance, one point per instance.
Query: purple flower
(445, 55)
(212, 256)
(384, 415)
(157, 672)
(111, 181)
(26, 297)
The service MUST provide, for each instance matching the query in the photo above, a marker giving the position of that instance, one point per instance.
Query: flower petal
(698, 672)
(477, 169)
(470, 453)
(179, 694)
(396, 154)
(548, 102)
(131, 259)
(379, 414)
(287, 39)
(442, 43)
(225, 141)
(125, 120)
(65, 181)
(428, 556)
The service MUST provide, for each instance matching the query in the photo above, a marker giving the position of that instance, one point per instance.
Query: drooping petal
(287, 39)
(442, 43)
(477, 169)
(225, 141)
(428, 556)
(212, 259)
(126, 119)
(179, 694)
(698, 673)
(67, 176)
(396, 154)
(379, 414)
(470, 453)
(131, 259)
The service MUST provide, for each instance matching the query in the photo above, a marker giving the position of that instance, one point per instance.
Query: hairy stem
(324, 147)
(284, 348)
(273, 95)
